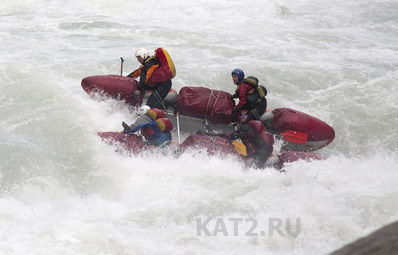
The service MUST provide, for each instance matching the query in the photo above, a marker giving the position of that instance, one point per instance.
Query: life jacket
(159, 117)
(166, 69)
(162, 136)
(267, 138)
(149, 72)
(164, 124)
(257, 93)
(155, 114)
(259, 128)
(147, 132)
(254, 137)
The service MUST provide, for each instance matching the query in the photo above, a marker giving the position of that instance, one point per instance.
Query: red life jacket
(155, 114)
(166, 70)
(147, 132)
(259, 128)
(164, 124)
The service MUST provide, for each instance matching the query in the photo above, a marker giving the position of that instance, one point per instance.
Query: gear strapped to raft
(208, 102)
(213, 105)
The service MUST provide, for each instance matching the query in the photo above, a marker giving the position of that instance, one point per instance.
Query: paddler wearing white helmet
(149, 63)
(153, 124)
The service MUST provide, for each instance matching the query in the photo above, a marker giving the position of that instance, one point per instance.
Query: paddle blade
(295, 136)
(240, 148)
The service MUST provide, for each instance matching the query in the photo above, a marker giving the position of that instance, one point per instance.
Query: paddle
(178, 127)
(138, 97)
(121, 65)
(210, 133)
(240, 147)
(295, 136)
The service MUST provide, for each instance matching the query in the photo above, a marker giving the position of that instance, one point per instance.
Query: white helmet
(143, 109)
(144, 53)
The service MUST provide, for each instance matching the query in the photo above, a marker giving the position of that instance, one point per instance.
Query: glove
(234, 136)
(126, 127)
(245, 130)
(137, 95)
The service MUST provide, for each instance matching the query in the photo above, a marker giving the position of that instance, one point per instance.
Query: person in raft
(149, 63)
(251, 96)
(153, 126)
(258, 142)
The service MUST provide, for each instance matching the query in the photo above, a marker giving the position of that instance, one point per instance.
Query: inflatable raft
(206, 109)
(211, 145)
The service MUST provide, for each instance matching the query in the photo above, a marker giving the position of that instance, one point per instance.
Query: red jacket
(244, 89)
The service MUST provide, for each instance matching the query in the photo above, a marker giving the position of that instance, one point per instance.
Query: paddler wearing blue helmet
(251, 96)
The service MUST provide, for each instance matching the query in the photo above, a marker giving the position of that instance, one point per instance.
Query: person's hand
(234, 136)
(126, 127)
(137, 95)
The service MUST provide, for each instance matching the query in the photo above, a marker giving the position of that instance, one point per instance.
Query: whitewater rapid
(63, 191)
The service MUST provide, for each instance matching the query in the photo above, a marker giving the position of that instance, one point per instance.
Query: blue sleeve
(151, 124)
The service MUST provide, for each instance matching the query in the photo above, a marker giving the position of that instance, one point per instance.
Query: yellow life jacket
(257, 93)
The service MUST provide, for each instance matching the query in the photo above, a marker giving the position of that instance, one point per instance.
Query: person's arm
(151, 124)
(144, 72)
(141, 120)
(245, 131)
(242, 95)
(141, 84)
(236, 94)
(135, 73)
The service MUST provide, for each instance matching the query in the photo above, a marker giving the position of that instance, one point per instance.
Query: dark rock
(382, 242)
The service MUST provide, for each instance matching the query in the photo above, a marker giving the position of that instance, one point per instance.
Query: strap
(208, 101)
(159, 98)
(210, 133)
(148, 59)
(255, 113)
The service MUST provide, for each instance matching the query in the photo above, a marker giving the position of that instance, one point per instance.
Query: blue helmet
(239, 73)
